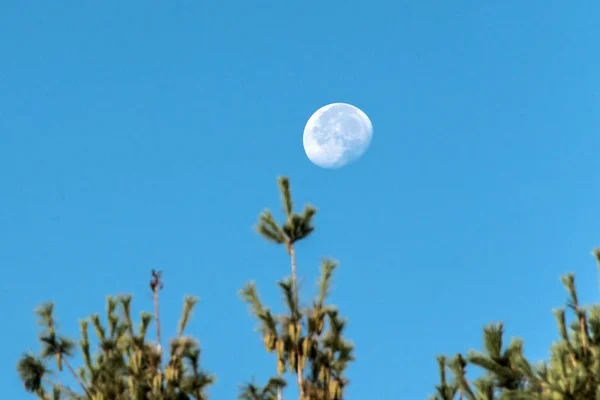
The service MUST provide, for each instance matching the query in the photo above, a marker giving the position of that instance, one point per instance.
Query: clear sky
(138, 135)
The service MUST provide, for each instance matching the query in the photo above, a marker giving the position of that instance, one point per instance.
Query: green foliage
(295, 228)
(316, 331)
(122, 364)
(125, 364)
(571, 373)
(308, 342)
(253, 392)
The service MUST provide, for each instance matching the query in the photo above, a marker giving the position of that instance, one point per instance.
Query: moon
(336, 135)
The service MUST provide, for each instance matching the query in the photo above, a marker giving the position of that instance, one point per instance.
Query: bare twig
(157, 285)
(77, 378)
(296, 296)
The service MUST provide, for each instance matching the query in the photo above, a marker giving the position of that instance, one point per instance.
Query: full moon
(337, 134)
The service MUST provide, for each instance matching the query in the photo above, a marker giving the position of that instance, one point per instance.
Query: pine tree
(307, 340)
(125, 365)
(122, 364)
(571, 373)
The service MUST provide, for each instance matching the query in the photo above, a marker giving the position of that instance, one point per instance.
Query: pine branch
(31, 371)
(327, 268)
(483, 361)
(328, 362)
(562, 329)
(492, 339)
(250, 295)
(45, 317)
(290, 298)
(268, 228)
(145, 320)
(457, 365)
(111, 305)
(77, 378)
(61, 389)
(85, 345)
(126, 311)
(188, 307)
(286, 195)
(445, 391)
(485, 389)
(156, 285)
(100, 331)
(569, 283)
(125, 367)
(296, 308)
(307, 215)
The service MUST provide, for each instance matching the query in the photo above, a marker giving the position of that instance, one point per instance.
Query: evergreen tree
(571, 373)
(125, 365)
(307, 340)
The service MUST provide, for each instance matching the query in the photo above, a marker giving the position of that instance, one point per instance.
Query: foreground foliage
(572, 373)
(125, 364)
(122, 364)
(308, 341)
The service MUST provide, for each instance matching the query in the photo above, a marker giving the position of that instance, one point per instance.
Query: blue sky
(138, 135)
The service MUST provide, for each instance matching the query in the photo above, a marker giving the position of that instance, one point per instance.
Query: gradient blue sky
(138, 135)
